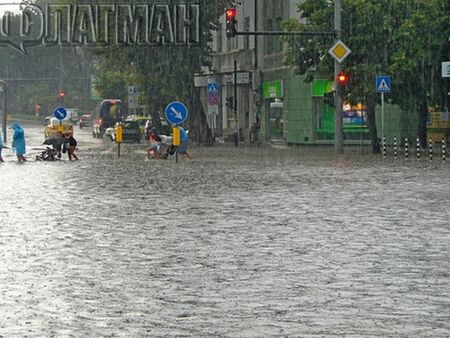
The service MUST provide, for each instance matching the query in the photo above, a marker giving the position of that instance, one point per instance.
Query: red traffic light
(61, 94)
(230, 14)
(342, 78)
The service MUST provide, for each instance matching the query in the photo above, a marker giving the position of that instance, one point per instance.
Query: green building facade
(297, 112)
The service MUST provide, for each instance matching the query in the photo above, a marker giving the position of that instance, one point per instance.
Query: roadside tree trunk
(156, 122)
(371, 121)
(422, 123)
(197, 121)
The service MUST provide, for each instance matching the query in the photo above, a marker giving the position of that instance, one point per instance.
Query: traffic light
(230, 16)
(342, 79)
(230, 102)
(61, 97)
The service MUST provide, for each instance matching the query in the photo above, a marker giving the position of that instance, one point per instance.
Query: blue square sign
(383, 84)
(213, 88)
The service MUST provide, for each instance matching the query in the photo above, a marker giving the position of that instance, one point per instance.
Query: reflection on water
(248, 242)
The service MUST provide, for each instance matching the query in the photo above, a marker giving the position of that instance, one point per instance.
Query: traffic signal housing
(230, 16)
(342, 79)
(61, 97)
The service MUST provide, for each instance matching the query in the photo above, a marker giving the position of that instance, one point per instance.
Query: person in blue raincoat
(1, 147)
(18, 143)
(182, 149)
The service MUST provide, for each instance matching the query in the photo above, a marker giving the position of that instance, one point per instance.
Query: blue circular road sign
(60, 113)
(176, 113)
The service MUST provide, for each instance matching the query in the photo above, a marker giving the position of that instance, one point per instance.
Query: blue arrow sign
(176, 113)
(383, 84)
(213, 88)
(60, 113)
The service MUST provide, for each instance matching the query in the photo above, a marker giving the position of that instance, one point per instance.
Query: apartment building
(291, 110)
(255, 58)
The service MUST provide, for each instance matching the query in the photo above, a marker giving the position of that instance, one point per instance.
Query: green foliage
(162, 73)
(34, 78)
(407, 40)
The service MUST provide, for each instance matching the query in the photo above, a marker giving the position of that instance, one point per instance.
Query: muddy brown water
(248, 242)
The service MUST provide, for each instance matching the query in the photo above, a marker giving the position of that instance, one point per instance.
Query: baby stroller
(160, 147)
(48, 154)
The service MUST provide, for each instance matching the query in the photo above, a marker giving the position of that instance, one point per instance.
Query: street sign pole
(382, 85)
(382, 116)
(176, 113)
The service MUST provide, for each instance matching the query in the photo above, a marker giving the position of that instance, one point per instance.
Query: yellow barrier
(176, 136)
(438, 120)
(119, 133)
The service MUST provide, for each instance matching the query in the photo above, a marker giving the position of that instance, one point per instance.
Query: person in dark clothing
(71, 146)
(59, 144)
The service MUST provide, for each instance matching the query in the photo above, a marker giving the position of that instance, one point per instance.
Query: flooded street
(248, 242)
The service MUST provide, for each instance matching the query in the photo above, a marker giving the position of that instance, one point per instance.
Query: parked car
(131, 132)
(142, 120)
(55, 126)
(145, 123)
(85, 121)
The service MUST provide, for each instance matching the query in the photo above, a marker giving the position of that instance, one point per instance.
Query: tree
(406, 40)
(166, 73)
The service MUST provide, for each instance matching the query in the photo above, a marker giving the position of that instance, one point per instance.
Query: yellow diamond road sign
(339, 51)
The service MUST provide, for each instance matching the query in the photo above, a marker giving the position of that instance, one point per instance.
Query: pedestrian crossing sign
(383, 84)
(213, 88)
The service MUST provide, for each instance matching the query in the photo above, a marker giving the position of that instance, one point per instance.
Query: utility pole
(338, 123)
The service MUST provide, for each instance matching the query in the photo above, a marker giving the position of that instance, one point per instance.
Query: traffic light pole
(236, 117)
(338, 123)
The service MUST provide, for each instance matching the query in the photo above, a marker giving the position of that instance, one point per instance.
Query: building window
(274, 43)
(274, 14)
(247, 29)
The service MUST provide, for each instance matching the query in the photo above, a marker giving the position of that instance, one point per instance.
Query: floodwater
(248, 242)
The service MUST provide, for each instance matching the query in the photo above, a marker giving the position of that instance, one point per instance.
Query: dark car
(131, 132)
(85, 121)
(165, 129)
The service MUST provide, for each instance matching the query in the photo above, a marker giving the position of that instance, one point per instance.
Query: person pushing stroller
(159, 145)
(71, 145)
